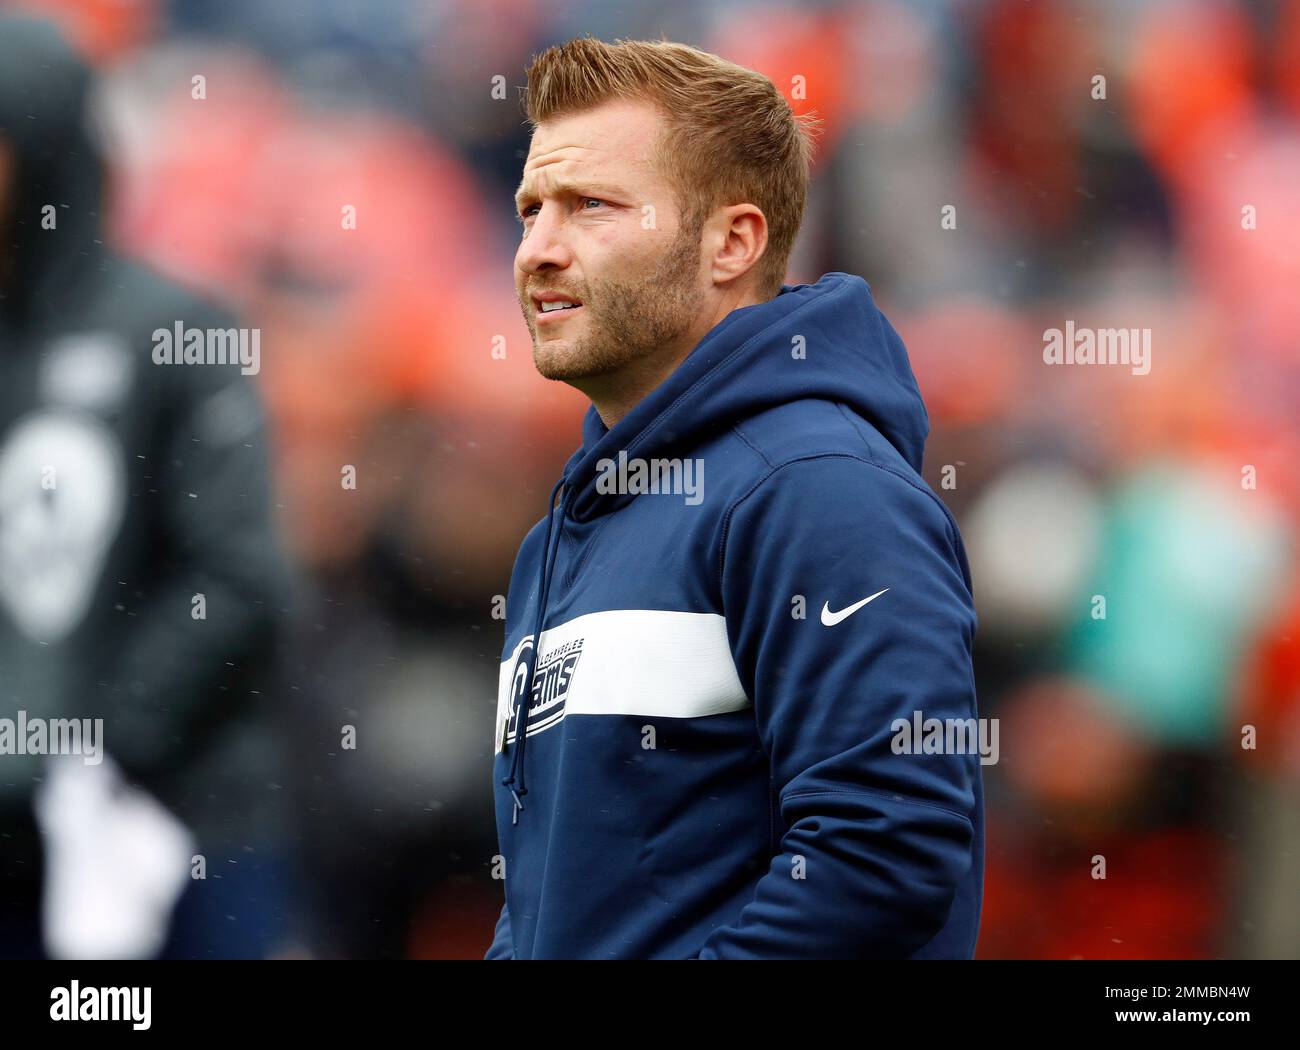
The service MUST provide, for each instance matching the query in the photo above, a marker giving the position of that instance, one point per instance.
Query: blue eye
(527, 213)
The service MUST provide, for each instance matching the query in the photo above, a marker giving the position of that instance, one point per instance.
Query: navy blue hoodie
(715, 763)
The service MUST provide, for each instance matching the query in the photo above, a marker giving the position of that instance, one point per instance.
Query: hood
(44, 88)
(825, 341)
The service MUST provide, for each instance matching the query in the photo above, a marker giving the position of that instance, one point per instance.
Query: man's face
(601, 227)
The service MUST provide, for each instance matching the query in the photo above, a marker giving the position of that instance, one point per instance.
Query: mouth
(549, 308)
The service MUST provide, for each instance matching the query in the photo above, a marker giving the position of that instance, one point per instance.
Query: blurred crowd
(341, 172)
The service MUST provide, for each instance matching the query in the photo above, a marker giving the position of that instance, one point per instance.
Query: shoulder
(815, 456)
(803, 429)
(148, 299)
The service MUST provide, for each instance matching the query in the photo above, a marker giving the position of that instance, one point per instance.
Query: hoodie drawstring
(543, 593)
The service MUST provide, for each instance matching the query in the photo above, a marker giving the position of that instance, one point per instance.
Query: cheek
(618, 250)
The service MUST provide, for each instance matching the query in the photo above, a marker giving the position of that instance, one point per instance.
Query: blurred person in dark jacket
(140, 578)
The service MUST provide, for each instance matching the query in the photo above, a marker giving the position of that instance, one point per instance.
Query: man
(140, 577)
(745, 590)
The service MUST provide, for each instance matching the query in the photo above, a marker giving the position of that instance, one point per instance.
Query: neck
(617, 393)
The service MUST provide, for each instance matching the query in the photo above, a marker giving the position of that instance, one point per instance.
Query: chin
(564, 363)
(555, 360)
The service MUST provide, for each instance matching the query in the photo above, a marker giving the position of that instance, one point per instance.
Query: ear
(737, 238)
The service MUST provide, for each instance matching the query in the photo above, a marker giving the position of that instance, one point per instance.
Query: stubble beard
(627, 321)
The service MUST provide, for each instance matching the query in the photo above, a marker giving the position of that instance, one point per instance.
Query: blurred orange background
(1169, 202)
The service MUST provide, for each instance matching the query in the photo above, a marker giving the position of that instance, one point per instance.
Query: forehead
(612, 144)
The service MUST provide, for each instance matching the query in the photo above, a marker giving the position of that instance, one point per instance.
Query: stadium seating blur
(1121, 737)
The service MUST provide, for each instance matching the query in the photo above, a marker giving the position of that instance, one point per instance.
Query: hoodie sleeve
(503, 946)
(869, 845)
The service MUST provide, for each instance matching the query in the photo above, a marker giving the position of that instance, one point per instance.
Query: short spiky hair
(730, 136)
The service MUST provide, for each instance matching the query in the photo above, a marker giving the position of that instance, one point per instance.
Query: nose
(544, 245)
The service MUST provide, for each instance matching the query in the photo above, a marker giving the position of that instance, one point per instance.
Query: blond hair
(729, 135)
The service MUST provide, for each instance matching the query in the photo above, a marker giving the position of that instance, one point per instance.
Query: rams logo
(552, 680)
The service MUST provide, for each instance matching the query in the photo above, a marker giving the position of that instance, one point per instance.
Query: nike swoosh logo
(830, 619)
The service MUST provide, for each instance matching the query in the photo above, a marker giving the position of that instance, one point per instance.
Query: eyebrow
(562, 185)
